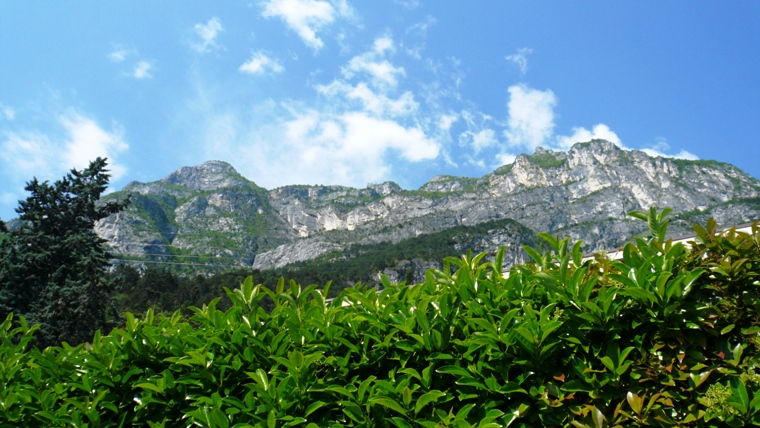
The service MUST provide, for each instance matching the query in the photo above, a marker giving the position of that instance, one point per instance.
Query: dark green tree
(52, 267)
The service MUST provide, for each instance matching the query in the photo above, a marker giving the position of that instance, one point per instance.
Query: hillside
(209, 215)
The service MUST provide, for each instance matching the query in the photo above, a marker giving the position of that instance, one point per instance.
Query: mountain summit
(210, 214)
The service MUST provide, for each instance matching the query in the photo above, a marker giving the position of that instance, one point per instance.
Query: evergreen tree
(52, 268)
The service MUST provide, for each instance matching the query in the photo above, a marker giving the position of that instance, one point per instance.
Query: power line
(175, 263)
(177, 255)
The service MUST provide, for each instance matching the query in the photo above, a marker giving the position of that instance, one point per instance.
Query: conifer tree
(52, 267)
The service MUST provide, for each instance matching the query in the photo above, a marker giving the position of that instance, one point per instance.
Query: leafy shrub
(666, 336)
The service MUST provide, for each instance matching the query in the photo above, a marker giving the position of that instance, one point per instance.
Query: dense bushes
(666, 336)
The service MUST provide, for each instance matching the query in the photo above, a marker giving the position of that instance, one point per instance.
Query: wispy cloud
(120, 54)
(360, 129)
(409, 4)
(142, 70)
(421, 28)
(383, 72)
(661, 146)
(378, 104)
(260, 63)
(347, 141)
(207, 33)
(7, 112)
(520, 58)
(73, 142)
(481, 139)
(307, 17)
(376, 96)
(27, 154)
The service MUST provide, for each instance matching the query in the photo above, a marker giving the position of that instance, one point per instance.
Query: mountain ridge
(210, 213)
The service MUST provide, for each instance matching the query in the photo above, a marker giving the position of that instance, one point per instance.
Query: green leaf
(455, 370)
(427, 398)
(598, 417)
(406, 395)
(220, 419)
(699, 378)
(341, 390)
(150, 386)
(260, 377)
(313, 407)
(401, 423)
(739, 398)
(272, 418)
(352, 410)
(636, 402)
(388, 403)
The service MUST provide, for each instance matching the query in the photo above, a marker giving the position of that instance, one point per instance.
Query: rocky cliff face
(209, 213)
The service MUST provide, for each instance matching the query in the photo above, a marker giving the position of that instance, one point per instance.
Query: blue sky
(348, 92)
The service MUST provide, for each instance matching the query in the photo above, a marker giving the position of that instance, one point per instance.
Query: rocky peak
(384, 189)
(209, 175)
(594, 152)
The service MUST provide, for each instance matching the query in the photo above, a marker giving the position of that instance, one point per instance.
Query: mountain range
(211, 216)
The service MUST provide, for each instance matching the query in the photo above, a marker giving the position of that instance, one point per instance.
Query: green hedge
(666, 336)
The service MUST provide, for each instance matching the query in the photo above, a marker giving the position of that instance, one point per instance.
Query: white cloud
(7, 112)
(479, 134)
(377, 96)
(87, 140)
(447, 120)
(531, 123)
(661, 146)
(580, 134)
(306, 17)
(383, 73)
(350, 148)
(531, 116)
(207, 33)
(505, 159)
(142, 70)
(28, 154)
(372, 102)
(383, 44)
(119, 54)
(683, 154)
(603, 132)
(520, 58)
(260, 64)
(482, 139)
(344, 9)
